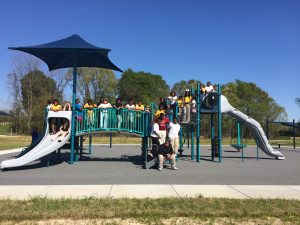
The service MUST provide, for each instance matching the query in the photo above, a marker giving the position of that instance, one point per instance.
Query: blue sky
(216, 40)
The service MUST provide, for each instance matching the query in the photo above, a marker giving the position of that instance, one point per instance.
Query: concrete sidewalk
(150, 191)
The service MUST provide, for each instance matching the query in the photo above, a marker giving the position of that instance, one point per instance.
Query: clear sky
(217, 40)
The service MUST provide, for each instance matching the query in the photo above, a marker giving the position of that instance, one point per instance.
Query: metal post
(257, 157)
(238, 133)
(81, 147)
(110, 140)
(90, 144)
(76, 148)
(242, 154)
(180, 142)
(73, 112)
(192, 143)
(212, 134)
(144, 140)
(220, 124)
(198, 121)
(176, 112)
(294, 134)
(267, 128)
(188, 138)
(192, 132)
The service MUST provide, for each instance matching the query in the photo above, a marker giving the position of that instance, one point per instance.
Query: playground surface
(117, 172)
(121, 165)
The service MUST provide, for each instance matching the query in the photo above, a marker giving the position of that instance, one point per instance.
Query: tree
(21, 65)
(93, 83)
(61, 78)
(36, 88)
(141, 85)
(182, 85)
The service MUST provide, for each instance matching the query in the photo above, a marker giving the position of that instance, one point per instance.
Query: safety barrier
(111, 120)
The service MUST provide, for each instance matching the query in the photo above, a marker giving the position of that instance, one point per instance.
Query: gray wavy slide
(45, 147)
(254, 127)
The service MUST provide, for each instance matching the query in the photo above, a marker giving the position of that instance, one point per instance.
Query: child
(63, 131)
(67, 107)
(55, 107)
(159, 111)
(89, 106)
(180, 108)
(187, 106)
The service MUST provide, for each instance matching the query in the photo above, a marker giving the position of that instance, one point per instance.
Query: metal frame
(289, 124)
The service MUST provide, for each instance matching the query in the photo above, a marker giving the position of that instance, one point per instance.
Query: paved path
(150, 191)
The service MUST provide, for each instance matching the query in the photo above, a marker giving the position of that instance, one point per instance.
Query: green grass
(5, 129)
(10, 142)
(19, 141)
(150, 211)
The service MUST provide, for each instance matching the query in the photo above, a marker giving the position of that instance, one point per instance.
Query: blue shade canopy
(72, 51)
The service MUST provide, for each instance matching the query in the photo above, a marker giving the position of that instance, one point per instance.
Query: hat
(187, 89)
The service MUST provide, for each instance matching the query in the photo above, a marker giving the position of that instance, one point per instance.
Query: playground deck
(121, 165)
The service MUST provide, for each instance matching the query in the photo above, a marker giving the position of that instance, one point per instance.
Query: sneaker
(174, 168)
(160, 169)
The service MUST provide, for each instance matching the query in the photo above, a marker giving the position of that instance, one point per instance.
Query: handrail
(110, 119)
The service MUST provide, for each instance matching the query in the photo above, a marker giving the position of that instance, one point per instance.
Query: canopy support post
(198, 129)
(73, 112)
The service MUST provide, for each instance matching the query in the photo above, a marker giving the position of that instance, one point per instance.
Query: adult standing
(78, 109)
(187, 106)
(105, 106)
(174, 129)
(139, 108)
(130, 107)
(173, 100)
(155, 136)
(163, 127)
(209, 88)
(119, 108)
(90, 113)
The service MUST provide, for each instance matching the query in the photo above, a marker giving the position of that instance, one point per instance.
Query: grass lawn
(5, 129)
(10, 142)
(150, 211)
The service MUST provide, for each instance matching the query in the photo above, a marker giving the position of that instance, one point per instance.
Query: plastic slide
(254, 126)
(48, 144)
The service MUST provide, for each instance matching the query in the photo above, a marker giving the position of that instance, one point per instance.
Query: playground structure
(75, 52)
(138, 123)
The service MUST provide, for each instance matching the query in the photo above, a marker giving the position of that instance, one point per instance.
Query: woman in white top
(174, 134)
(173, 100)
(173, 97)
(131, 107)
(105, 105)
(155, 136)
(209, 88)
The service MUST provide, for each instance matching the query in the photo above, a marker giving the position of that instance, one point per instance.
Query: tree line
(30, 88)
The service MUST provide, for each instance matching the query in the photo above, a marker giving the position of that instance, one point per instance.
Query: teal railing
(111, 119)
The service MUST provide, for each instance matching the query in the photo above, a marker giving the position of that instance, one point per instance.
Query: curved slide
(254, 127)
(45, 147)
